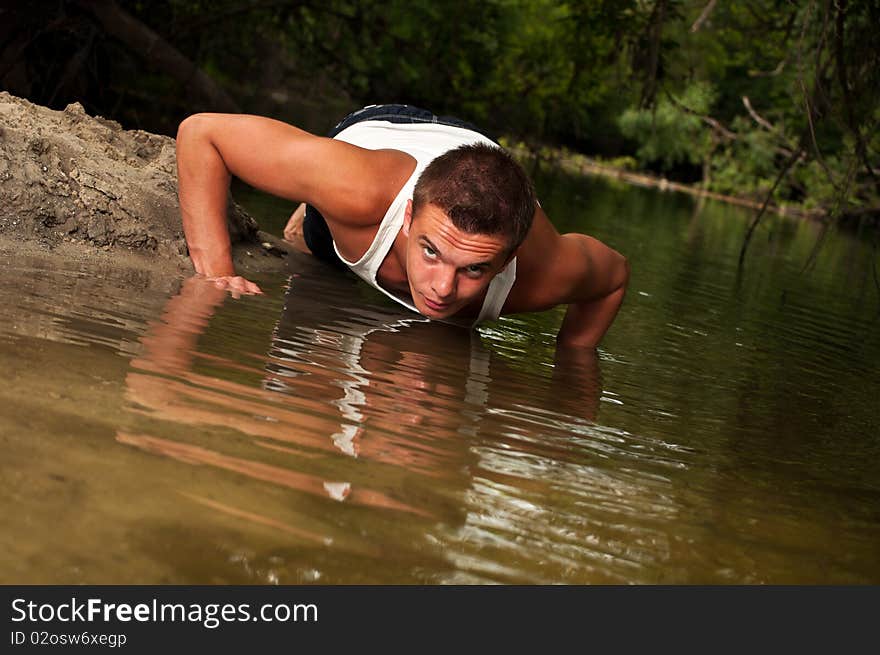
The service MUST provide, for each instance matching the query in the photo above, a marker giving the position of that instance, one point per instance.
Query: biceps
(282, 159)
(593, 270)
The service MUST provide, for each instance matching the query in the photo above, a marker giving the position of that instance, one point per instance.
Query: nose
(443, 284)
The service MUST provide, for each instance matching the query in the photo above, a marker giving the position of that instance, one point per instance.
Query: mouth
(436, 306)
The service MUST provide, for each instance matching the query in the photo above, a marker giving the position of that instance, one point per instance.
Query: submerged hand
(236, 284)
(576, 385)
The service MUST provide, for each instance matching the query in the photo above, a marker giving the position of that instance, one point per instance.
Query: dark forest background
(769, 99)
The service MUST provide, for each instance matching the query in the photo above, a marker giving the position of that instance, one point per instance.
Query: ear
(407, 218)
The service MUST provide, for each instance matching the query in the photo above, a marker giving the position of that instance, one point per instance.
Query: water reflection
(405, 395)
(317, 435)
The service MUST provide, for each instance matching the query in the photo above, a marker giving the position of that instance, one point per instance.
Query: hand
(576, 385)
(235, 284)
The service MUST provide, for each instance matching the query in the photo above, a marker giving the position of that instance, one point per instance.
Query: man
(427, 209)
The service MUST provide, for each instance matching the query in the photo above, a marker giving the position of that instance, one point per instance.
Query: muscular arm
(340, 179)
(572, 269)
(599, 279)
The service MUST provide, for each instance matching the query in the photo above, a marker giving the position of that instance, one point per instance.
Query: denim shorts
(315, 231)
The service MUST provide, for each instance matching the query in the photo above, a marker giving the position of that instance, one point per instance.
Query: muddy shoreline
(249, 257)
(81, 188)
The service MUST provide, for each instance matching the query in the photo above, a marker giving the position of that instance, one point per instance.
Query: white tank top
(424, 142)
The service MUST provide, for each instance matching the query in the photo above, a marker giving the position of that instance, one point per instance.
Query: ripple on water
(724, 432)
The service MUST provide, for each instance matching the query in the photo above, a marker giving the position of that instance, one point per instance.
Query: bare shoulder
(554, 269)
(358, 185)
(352, 186)
(537, 261)
(348, 184)
(354, 195)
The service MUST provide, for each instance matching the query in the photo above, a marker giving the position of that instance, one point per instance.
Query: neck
(392, 273)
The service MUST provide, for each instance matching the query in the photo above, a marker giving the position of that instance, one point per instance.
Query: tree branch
(819, 158)
(776, 71)
(708, 120)
(158, 53)
(654, 36)
(703, 16)
(852, 123)
(763, 122)
(788, 164)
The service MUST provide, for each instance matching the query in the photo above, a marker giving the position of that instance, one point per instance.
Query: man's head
(481, 189)
(471, 209)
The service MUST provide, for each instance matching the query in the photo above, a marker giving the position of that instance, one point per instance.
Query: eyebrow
(437, 250)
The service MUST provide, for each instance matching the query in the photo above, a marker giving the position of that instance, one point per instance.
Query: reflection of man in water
(426, 209)
(350, 383)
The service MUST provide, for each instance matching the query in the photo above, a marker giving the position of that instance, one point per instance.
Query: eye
(474, 270)
(430, 253)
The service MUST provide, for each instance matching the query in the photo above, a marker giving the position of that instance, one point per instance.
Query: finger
(246, 286)
(235, 284)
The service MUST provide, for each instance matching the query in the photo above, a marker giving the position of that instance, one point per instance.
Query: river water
(726, 431)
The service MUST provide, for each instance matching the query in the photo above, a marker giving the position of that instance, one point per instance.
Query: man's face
(448, 268)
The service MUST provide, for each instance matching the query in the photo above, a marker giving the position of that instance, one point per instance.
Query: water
(726, 432)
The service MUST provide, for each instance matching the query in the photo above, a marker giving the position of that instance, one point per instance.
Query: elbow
(194, 127)
(623, 273)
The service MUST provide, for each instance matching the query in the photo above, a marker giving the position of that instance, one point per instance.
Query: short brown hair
(482, 189)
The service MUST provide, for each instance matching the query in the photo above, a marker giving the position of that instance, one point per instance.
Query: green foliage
(625, 163)
(746, 166)
(671, 132)
(614, 78)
